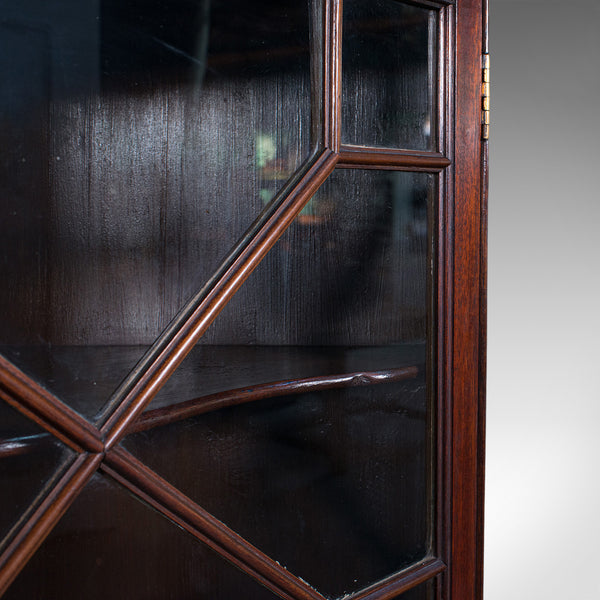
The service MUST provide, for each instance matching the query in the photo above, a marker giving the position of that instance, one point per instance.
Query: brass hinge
(485, 97)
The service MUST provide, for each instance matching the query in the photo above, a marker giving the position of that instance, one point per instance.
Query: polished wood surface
(382, 158)
(466, 356)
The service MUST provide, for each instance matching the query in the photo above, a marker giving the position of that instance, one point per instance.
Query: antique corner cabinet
(243, 302)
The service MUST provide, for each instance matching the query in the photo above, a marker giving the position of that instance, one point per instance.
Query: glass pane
(139, 140)
(389, 67)
(425, 591)
(334, 485)
(109, 545)
(31, 460)
(345, 290)
(318, 446)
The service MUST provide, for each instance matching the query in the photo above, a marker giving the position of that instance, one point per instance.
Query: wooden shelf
(211, 377)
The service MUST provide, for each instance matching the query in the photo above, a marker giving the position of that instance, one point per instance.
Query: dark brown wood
(158, 493)
(41, 522)
(173, 346)
(444, 296)
(466, 304)
(42, 407)
(393, 586)
(386, 158)
(204, 404)
(68, 272)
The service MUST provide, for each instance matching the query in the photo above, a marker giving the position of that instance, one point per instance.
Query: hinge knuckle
(485, 97)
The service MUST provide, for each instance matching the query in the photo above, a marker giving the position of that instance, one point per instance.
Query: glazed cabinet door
(243, 314)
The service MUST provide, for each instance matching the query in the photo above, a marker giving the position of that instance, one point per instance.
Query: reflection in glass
(110, 545)
(139, 140)
(344, 290)
(303, 418)
(334, 485)
(425, 591)
(389, 74)
(31, 460)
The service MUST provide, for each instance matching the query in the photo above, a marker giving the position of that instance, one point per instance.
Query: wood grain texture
(388, 75)
(137, 153)
(382, 158)
(481, 424)
(466, 303)
(135, 476)
(25, 48)
(349, 272)
(134, 170)
(32, 534)
(177, 341)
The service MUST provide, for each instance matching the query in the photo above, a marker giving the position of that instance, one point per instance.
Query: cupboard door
(246, 249)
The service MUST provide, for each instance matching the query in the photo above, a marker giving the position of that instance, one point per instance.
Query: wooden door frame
(466, 336)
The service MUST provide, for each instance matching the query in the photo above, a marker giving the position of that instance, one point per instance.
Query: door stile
(445, 296)
(466, 303)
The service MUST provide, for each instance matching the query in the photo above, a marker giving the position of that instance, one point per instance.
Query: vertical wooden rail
(466, 305)
(444, 296)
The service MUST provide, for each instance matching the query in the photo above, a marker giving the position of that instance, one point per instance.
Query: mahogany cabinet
(243, 306)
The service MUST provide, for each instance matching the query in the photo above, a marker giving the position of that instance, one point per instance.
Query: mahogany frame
(461, 167)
